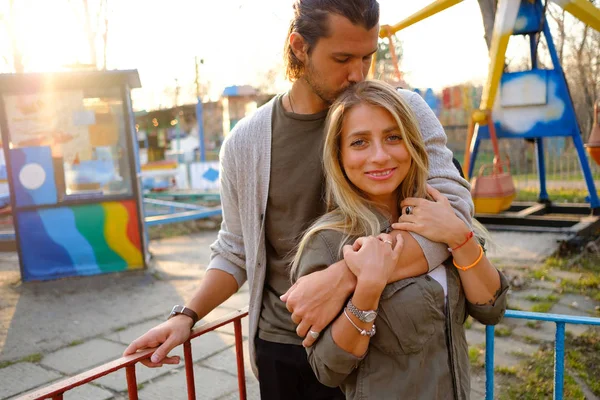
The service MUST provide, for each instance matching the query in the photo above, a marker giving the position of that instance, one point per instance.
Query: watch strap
(178, 309)
(362, 315)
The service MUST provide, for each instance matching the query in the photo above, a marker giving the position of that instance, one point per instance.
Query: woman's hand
(434, 220)
(373, 259)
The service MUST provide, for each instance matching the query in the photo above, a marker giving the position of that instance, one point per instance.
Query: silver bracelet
(363, 332)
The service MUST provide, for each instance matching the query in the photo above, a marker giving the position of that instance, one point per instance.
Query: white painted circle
(32, 176)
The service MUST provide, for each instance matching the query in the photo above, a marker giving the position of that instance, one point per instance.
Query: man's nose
(357, 72)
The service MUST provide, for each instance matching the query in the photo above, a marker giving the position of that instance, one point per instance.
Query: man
(271, 190)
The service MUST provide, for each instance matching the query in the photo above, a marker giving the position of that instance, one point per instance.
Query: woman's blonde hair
(349, 209)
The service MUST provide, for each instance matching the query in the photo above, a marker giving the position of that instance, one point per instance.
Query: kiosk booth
(69, 146)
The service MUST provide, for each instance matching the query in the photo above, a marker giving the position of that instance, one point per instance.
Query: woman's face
(374, 155)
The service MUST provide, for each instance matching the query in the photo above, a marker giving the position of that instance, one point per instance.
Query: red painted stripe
(133, 231)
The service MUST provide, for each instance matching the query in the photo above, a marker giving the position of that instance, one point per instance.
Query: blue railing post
(489, 362)
(559, 361)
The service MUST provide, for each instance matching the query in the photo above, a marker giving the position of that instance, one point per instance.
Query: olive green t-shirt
(295, 200)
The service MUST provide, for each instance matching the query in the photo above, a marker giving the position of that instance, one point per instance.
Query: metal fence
(559, 346)
(57, 390)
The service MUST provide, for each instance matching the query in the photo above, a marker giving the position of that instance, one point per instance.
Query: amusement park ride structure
(532, 104)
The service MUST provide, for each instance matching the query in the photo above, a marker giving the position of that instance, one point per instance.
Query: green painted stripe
(90, 220)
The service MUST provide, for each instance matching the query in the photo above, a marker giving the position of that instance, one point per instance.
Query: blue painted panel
(555, 118)
(529, 19)
(42, 257)
(33, 176)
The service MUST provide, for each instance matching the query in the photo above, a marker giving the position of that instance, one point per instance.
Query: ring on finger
(389, 242)
(408, 210)
(314, 334)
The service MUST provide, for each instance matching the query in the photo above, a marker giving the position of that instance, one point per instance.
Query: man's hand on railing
(165, 336)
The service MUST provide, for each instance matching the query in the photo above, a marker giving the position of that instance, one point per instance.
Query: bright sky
(239, 40)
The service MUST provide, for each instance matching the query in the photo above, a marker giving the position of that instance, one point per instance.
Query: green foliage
(503, 331)
(476, 357)
(31, 358)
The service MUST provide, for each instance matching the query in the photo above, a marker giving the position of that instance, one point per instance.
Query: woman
(403, 339)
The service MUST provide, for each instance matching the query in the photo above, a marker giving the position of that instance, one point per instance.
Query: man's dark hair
(311, 22)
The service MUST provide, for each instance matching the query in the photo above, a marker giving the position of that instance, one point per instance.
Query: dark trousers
(285, 374)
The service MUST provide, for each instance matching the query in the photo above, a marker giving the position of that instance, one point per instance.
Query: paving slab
(519, 247)
(210, 384)
(20, 377)
(226, 361)
(129, 334)
(85, 392)
(203, 347)
(81, 357)
(584, 305)
(252, 391)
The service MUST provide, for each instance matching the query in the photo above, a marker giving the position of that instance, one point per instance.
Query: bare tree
(15, 60)
(93, 20)
(488, 14)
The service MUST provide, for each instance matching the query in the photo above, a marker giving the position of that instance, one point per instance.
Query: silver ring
(314, 334)
(389, 241)
(408, 210)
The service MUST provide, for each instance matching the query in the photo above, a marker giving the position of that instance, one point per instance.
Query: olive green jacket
(419, 351)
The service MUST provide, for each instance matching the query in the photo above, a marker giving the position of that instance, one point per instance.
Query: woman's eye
(394, 138)
(357, 143)
(341, 60)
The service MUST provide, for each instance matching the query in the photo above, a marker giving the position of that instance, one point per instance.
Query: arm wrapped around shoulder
(331, 364)
(491, 314)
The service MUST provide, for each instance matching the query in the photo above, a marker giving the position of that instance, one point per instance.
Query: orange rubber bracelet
(469, 236)
(472, 265)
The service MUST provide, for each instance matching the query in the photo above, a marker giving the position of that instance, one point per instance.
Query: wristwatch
(185, 311)
(363, 315)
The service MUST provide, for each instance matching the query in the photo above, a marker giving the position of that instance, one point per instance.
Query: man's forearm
(216, 287)
(412, 261)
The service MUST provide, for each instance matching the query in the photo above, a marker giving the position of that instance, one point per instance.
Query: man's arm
(225, 274)
(443, 175)
(316, 302)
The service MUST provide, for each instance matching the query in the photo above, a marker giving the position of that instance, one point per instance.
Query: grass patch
(534, 378)
(32, 358)
(503, 331)
(75, 343)
(119, 329)
(542, 274)
(583, 358)
(533, 324)
(510, 371)
(476, 356)
(468, 322)
(513, 307)
(587, 285)
(535, 298)
(542, 307)
(531, 340)
(557, 195)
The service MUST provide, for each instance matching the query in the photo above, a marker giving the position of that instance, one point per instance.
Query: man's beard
(312, 77)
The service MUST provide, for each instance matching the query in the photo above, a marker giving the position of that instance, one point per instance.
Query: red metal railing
(56, 391)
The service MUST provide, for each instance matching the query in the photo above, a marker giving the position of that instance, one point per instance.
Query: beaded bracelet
(370, 333)
(472, 265)
(469, 236)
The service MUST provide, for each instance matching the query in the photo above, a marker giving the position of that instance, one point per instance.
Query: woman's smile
(381, 174)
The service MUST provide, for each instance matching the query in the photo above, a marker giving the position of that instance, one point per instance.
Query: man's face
(341, 59)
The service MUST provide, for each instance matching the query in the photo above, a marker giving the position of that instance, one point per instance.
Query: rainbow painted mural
(79, 240)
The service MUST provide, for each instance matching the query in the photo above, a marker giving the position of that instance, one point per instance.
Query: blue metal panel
(529, 19)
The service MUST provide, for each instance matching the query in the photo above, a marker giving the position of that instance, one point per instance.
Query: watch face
(370, 316)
